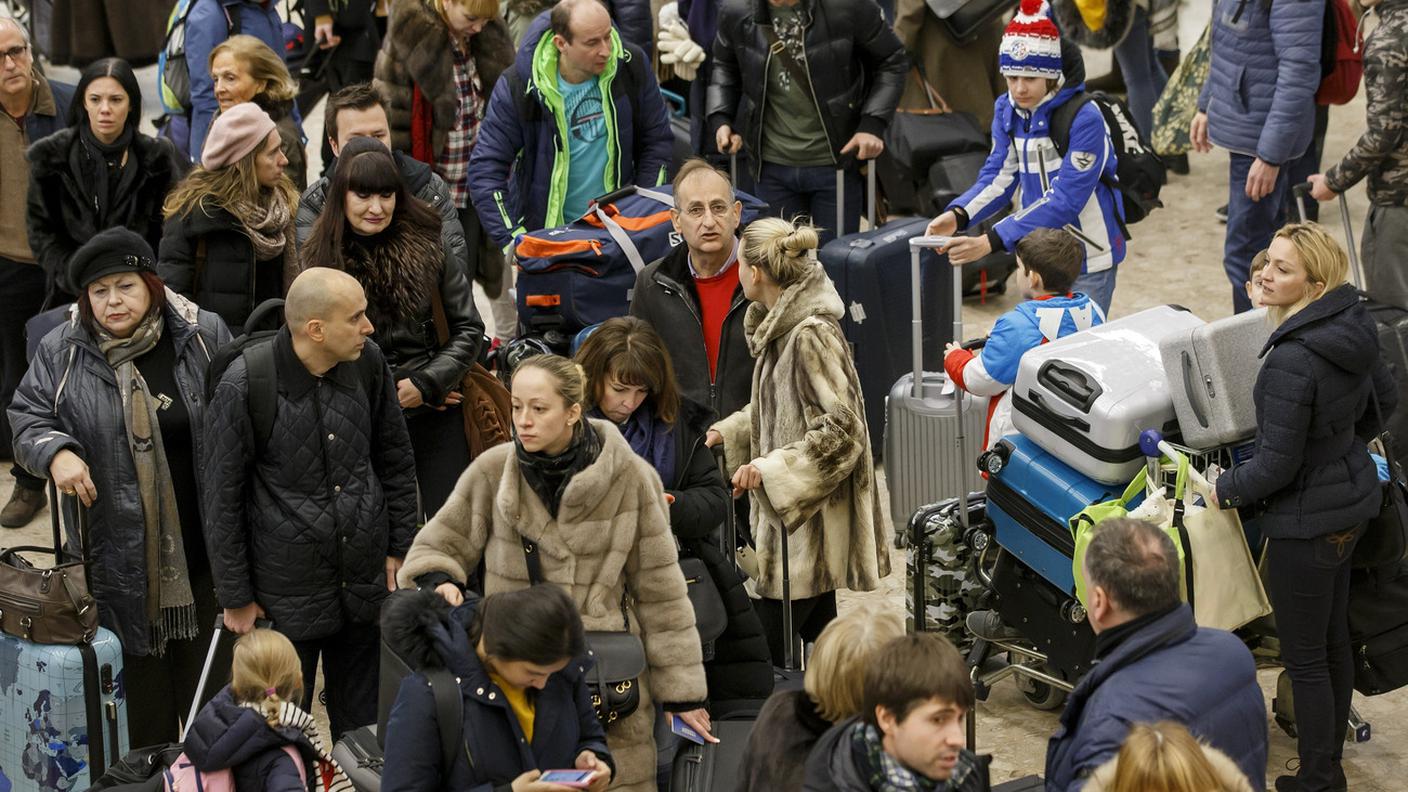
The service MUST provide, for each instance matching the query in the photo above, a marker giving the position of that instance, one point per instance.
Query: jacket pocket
(1236, 84)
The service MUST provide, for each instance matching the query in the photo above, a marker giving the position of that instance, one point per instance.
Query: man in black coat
(805, 84)
(308, 526)
(349, 33)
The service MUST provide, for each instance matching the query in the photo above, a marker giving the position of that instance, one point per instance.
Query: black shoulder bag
(618, 657)
(1385, 539)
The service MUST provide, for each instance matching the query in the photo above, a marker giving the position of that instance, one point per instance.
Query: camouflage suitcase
(940, 583)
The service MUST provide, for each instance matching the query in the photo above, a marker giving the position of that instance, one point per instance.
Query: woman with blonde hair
(229, 237)
(1164, 757)
(244, 69)
(792, 721)
(1320, 376)
(570, 503)
(800, 448)
(252, 723)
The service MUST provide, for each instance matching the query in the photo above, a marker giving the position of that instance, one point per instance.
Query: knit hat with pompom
(1031, 44)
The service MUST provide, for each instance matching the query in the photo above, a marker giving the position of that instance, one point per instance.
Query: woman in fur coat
(418, 301)
(800, 449)
(572, 493)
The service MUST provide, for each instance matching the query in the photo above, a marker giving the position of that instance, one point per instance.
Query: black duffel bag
(1378, 628)
(965, 19)
(917, 139)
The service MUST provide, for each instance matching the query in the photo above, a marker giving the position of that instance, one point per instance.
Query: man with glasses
(34, 108)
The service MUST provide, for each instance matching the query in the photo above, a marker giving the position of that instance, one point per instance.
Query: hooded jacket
(69, 399)
(426, 633)
(1310, 467)
(855, 63)
(1071, 192)
(1170, 669)
(227, 735)
(519, 170)
(805, 431)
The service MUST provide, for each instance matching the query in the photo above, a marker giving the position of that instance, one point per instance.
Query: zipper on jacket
(811, 88)
(338, 537)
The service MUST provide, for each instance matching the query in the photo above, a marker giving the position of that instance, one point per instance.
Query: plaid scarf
(171, 607)
(327, 775)
(884, 773)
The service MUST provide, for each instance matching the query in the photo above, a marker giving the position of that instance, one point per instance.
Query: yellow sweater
(519, 702)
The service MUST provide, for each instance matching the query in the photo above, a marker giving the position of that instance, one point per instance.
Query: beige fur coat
(1226, 770)
(805, 430)
(611, 539)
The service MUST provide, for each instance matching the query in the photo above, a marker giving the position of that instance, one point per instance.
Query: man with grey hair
(34, 108)
(1153, 663)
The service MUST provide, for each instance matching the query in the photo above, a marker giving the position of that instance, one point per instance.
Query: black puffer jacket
(305, 531)
(665, 297)
(229, 276)
(856, 63)
(60, 209)
(742, 664)
(226, 735)
(69, 399)
(401, 269)
(1310, 467)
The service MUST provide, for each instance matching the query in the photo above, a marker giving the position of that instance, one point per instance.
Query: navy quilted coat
(305, 530)
(1260, 91)
(1311, 468)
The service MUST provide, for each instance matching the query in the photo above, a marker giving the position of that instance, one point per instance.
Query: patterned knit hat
(1031, 44)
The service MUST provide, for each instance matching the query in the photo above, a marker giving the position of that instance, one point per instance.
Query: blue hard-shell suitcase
(1030, 499)
(63, 713)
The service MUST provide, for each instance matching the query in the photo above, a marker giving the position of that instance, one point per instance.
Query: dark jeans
(1250, 225)
(809, 617)
(791, 191)
(473, 240)
(442, 454)
(351, 665)
(1307, 165)
(1144, 76)
(1308, 584)
(22, 288)
(160, 689)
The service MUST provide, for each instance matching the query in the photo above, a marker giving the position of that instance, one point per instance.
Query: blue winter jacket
(206, 28)
(1071, 192)
(425, 632)
(1170, 669)
(227, 735)
(1265, 69)
(518, 171)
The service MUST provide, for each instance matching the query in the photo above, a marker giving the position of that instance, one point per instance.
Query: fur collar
(155, 156)
(424, 40)
(399, 268)
(1226, 770)
(812, 296)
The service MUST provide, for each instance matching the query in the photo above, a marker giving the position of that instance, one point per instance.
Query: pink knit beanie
(234, 134)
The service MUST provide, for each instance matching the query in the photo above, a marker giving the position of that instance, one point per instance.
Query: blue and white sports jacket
(993, 371)
(1056, 193)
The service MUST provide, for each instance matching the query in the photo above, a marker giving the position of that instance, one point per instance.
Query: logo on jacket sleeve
(1082, 160)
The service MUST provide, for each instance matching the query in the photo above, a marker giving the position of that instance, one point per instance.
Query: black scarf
(1107, 640)
(109, 171)
(549, 475)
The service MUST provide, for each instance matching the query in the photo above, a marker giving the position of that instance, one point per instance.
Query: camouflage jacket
(1382, 151)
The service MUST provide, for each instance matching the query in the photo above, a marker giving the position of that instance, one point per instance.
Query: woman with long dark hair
(418, 299)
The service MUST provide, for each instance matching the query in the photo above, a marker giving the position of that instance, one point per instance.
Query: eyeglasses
(14, 53)
(696, 211)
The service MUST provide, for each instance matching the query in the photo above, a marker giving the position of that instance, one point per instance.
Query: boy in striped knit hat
(1071, 189)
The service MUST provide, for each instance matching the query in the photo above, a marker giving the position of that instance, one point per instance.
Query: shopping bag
(1156, 509)
(1173, 113)
(1229, 589)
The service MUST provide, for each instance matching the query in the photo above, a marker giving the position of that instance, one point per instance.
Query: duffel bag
(1378, 628)
(580, 274)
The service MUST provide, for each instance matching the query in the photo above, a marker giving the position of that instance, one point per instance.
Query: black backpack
(258, 353)
(1139, 173)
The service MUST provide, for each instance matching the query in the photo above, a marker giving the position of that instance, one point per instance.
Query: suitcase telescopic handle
(916, 323)
(846, 163)
(1355, 267)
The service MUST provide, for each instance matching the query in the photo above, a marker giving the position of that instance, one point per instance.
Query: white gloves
(676, 47)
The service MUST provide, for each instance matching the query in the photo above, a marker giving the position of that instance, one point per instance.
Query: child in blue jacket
(1073, 191)
(1048, 262)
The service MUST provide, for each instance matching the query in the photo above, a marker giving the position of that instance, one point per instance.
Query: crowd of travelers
(312, 473)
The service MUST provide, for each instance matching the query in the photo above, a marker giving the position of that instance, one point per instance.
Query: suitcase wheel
(1362, 732)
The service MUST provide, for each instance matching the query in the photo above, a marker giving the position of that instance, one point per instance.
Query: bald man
(308, 525)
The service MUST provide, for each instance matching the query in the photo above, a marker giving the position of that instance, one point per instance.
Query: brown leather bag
(48, 606)
(487, 406)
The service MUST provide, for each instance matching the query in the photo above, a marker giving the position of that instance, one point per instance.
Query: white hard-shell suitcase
(1211, 371)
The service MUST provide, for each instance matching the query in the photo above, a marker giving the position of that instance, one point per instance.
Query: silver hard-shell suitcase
(1086, 397)
(930, 452)
(1211, 371)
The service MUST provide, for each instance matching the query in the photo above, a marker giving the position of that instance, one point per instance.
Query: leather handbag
(619, 657)
(965, 19)
(1385, 538)
(487, 406)
(48, 606)
(710, 617)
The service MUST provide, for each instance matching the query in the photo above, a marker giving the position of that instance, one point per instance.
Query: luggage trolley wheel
(1039, 694)
(1362, 732)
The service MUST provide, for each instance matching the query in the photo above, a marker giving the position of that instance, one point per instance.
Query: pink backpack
(182, 775)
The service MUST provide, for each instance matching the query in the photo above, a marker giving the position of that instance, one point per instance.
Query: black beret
(110, 251)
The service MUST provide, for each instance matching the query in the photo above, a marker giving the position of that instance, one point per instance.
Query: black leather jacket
(856, 63)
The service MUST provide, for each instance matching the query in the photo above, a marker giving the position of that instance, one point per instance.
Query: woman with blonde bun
(800, 448)
(1165, 757)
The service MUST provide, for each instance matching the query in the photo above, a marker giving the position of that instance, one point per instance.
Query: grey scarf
(171, 607)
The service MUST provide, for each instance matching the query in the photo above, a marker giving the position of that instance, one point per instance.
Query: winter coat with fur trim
(415, 58)
(1226, 770)
(805, 431)
(610, 542)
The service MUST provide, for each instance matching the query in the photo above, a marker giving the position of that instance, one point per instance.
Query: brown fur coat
(1226, 770)
(805, 431)
(611, 538)
(416, 54)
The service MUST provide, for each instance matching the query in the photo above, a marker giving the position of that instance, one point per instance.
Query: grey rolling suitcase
(1086, 397)
(1211, 370)
(931, 439)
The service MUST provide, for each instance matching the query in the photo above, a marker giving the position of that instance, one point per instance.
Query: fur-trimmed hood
(1226, 770)
(813, 295)
(426, 632)
(399, 268)
(1119, 18)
